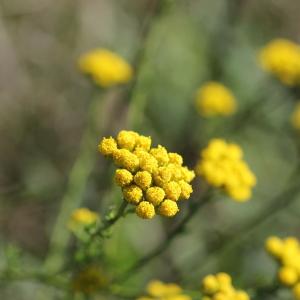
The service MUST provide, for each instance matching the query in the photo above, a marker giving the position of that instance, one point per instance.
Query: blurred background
(45, 107)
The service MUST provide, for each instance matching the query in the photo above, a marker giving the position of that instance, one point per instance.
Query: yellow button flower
(82, 217)
(219, 287)
(105, 67)
(221, 165)
(215, 99)
(281, 57)
(288, 276)
(151, 177)
(158, 290)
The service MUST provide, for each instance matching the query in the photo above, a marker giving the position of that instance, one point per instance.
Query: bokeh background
(45, 107)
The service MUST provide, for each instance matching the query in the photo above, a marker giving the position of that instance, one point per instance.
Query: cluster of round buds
(281, 57)
(153, 179)
(219, 287)
(221, 164)
(287, 253)
(158, 290)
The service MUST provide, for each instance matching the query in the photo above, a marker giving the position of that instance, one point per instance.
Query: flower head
(82, 217)
(158, 290)
(105, 67)
(219, 286)
(221, 164)
(151, 178)
(287, 254)
(282, 58)
(215, 99)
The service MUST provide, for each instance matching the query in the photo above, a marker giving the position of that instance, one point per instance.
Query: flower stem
(74, 193)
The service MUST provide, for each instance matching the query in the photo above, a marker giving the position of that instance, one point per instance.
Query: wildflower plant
(151, 178)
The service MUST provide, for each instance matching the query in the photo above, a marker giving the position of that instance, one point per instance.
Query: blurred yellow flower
(105, 67)
(281, 57)
(221, 164)
(89, 280)
(295, 117)
(158, 290)
(82, 217)
(151, 178)
(287, 253)
(219, 287)
(215, 99)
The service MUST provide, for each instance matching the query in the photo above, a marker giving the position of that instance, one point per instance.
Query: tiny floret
(82, 217)
(123, 177)
(107, 146)
(133, 194)
(152, 179)
(105, 67)
(215, 99)
(168, 208)
(145, 210)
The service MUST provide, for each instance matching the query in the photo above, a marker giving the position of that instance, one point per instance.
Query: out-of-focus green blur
(44, 102)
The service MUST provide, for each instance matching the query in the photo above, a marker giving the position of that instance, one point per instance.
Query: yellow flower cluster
(89, 280)
(287, 253)
(105, 67)
(158, 290)
(282, 58)
(82, 217)
(219, 287)
(153, 179)
(222, 165)
(215, 99)
(295, 118)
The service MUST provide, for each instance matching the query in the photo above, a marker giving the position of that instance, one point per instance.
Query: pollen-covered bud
(127, 139)
(123, 177)
(210, 285)
(162, 176)
(186, 190)
(274, 246)
(133, 194)
(143, 179)
(107, 146)
(124, 158)
(161, 155)
(143, 142)
(168, 208)
(145, 210)
(172, 190)
(147, 161)
(155, 195)
(175, 158)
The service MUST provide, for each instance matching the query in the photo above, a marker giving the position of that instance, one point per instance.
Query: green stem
(177, 230)
(74, 193)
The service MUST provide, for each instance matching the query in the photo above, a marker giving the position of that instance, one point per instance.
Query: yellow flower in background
(221, 164)
(287, 254)
(219, 286)
(295, 117)
(105, 67)
(89, 280)
(158, 290)
(281, 57)
(151, 178)
(215, 99)
(82, 217)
